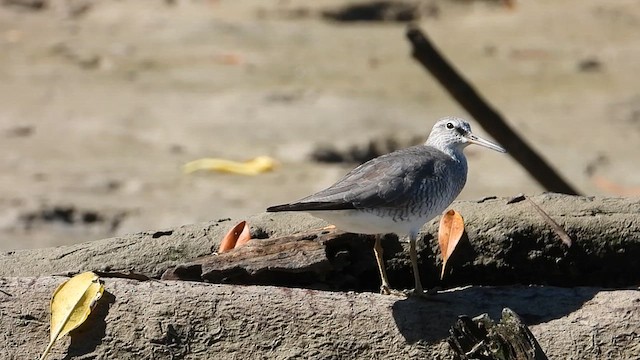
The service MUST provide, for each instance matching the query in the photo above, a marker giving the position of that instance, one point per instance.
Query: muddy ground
(101, 103)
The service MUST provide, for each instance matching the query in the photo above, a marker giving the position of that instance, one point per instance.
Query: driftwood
(506, 243)
(186, 320)
(295, 260)
(331, 259)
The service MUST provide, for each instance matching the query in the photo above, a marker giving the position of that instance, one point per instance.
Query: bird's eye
(450, 125)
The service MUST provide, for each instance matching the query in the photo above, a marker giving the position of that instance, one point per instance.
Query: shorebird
(398, 192)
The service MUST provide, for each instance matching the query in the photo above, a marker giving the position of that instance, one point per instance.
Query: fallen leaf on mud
(509, 4)
(236, 237)
(449, 233)
(609, 186)
(229, 59)
(254, 166)
(71, 304)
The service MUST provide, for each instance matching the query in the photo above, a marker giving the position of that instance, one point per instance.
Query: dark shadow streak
(89, 335)
(429, 319)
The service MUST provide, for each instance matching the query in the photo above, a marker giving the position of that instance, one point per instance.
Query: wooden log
(506, 243)
(321, 259)
(187, 320)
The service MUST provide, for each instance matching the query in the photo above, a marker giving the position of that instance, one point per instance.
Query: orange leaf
(244, 237)
(611, 187)
(231, 239)
(449, 233)
(229, 59)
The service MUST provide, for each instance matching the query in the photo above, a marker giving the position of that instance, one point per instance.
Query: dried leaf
(229, 59)
(449, 233)
(236, 237)
(609, 186)
(244, 237)
(509, 4)
(71, 304)
(254, 166)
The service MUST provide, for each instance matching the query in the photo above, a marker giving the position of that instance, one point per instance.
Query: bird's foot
(386, 290)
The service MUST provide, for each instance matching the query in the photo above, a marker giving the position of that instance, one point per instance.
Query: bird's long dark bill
(486, 143)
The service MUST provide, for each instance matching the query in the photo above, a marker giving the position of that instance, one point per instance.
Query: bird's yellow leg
(377, 251)
(418, 290)
(385, 289)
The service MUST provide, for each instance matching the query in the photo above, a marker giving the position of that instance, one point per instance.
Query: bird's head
(452, 134)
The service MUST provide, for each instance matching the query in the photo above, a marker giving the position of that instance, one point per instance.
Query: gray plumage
(391, 180)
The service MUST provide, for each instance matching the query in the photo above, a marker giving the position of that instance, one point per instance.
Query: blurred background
(103, 102)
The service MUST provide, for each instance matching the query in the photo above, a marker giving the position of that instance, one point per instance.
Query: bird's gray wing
(386, 181)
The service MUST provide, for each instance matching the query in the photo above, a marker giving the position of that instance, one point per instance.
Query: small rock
(590, 65)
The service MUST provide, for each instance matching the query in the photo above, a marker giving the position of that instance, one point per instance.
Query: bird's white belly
(371, 223)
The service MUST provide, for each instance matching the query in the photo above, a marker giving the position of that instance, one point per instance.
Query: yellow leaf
(71, 304)
(449, 233)
(254, 166)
